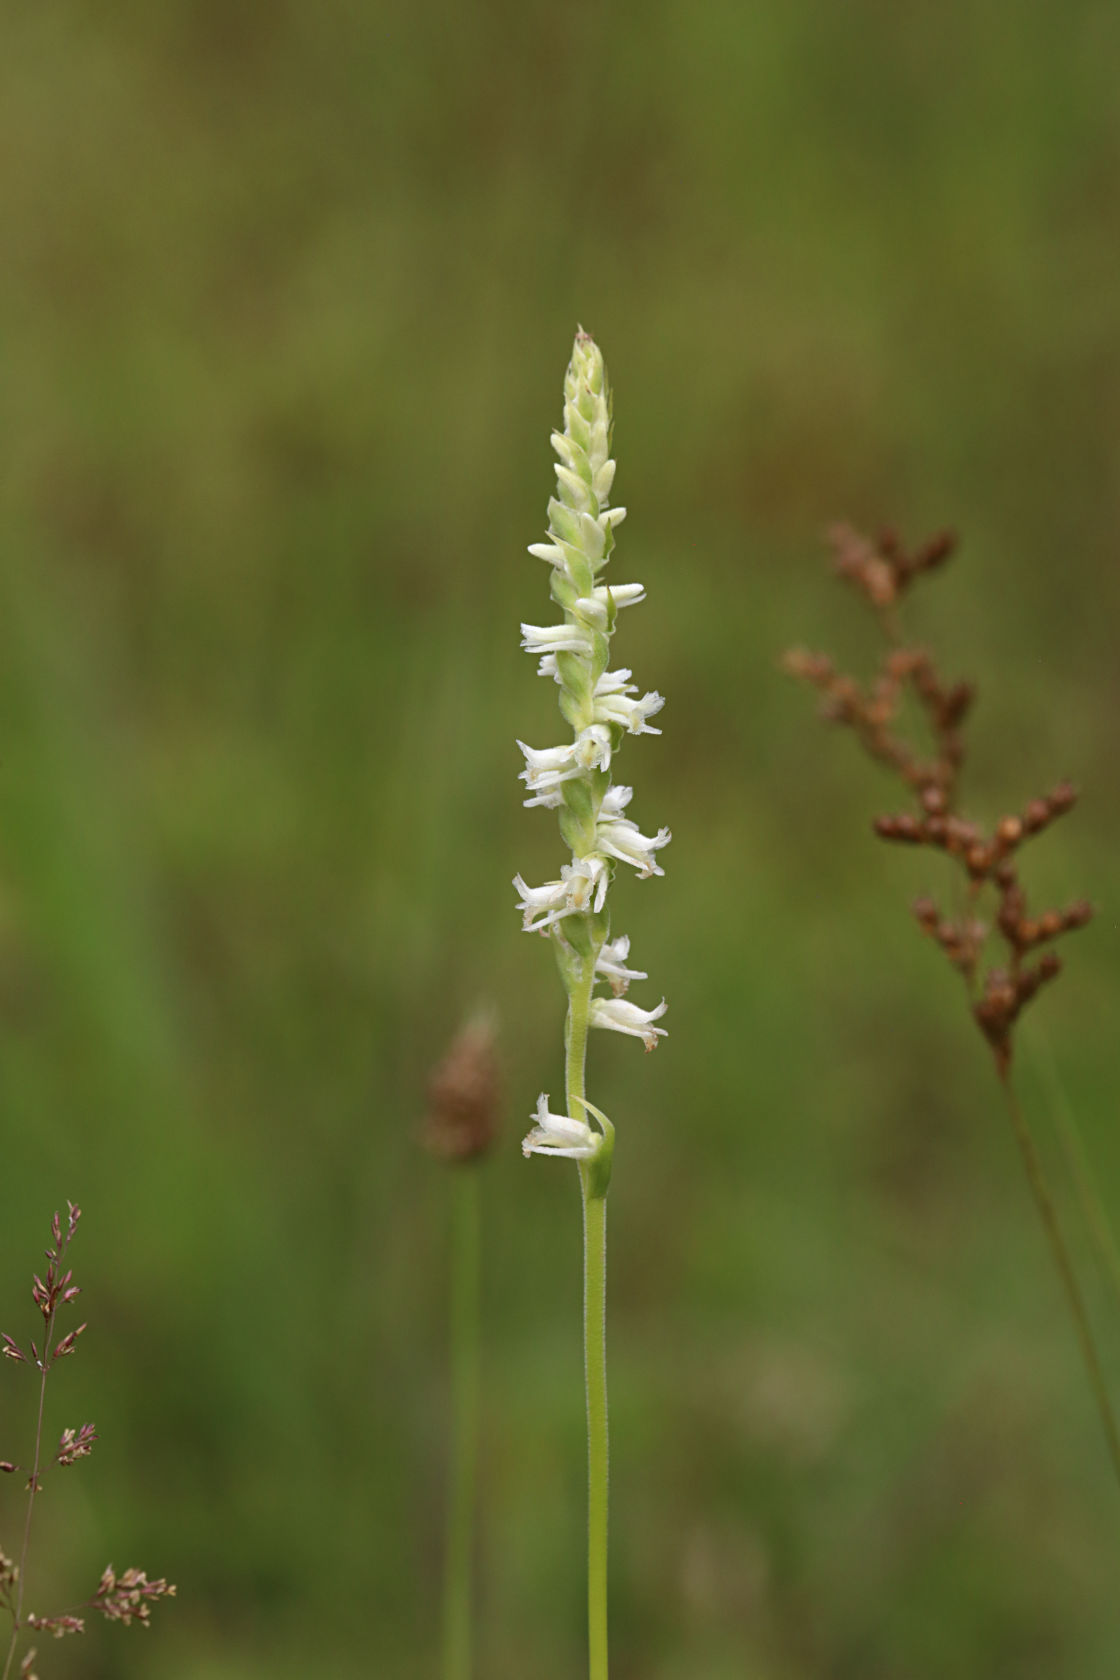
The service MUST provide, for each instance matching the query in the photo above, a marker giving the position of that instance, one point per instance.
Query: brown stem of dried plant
(126, 1597)
(882, 571)
(1048, 1214)
(57, 1292)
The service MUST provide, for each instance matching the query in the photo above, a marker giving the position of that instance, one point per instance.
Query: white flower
(593, 747)
(547, 763)
(600, 705)
(601, 483)
(622, 594)
(613, 703)
(547, 768)
(615, 682)
(565, 555)
(614, 802)
(550, 797)
(610, 684)
(559, 1134)
(624, 1017)
(547, 901)
(555, 638)
(594, 607)
(587, 880)
(610, 964)
(582, 886)
(621, 838)
(552, 552)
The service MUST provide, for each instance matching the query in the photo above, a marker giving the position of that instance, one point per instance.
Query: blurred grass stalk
(464, 1099)
(1063, 1260)
(458, 1595)
(1079, 1167)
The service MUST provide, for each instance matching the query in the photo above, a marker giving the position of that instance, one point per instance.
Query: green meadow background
(287, 297)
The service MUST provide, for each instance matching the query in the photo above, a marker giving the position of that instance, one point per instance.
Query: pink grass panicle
(124, 1598)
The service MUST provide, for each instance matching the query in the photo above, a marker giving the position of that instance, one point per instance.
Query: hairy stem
(594, 1335)
(458, 1596)
(1048, 1213)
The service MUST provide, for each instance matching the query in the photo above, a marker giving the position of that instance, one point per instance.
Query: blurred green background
(288, 293)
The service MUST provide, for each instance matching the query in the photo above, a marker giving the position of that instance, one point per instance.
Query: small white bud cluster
(601, 706)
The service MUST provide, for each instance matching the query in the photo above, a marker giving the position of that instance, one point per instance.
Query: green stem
(595, 1362)
(457, 1579)
(1036, 1176)
(1092, 1207)
(594, 1334)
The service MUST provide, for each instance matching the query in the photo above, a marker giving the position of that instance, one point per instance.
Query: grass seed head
(881, 570)
(465, 1096)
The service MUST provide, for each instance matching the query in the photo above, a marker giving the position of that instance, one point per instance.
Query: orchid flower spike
(602, 707)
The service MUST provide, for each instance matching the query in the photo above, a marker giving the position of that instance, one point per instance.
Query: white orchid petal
(610, 964)
(560, 1134)
(617, 1015)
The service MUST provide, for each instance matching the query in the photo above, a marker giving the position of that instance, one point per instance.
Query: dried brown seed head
(128, 1597)
(979, 860)
(901, 827)
(75, 1444)
(812, 667)
(1078, 914)
(1009, 832)
(926, 913)
(955, 703)
(882, 570)
(1029, 980)
(935, 551)
(57, 1626)
(464, 1096)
